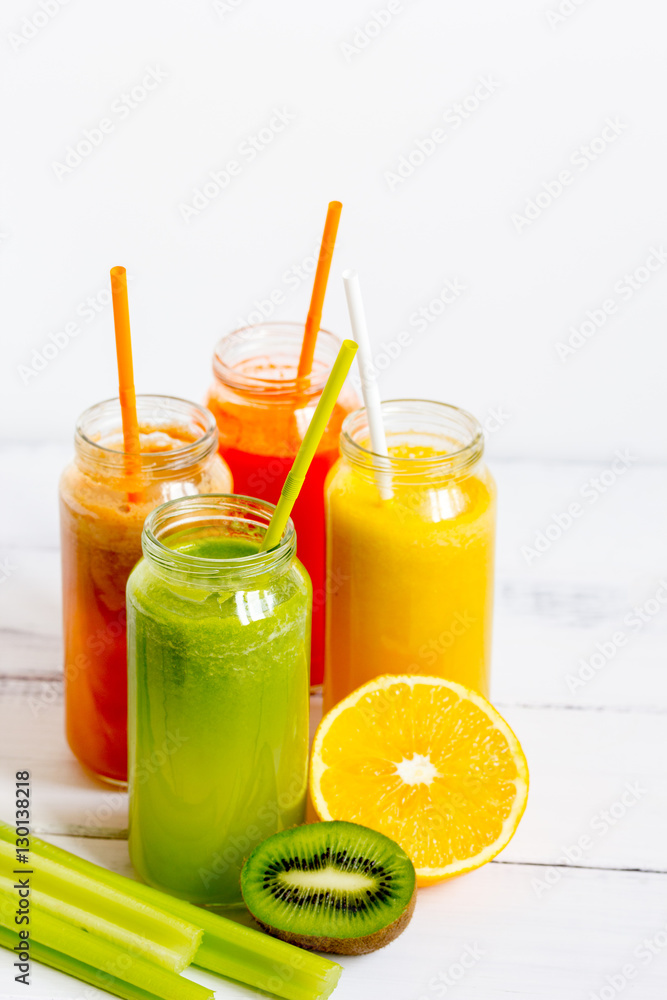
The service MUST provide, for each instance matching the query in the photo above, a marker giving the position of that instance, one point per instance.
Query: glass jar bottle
(263, 414)
(218, 648)
(102, 512)
(410, 545)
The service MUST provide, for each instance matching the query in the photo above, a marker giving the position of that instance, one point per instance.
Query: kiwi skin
(347, 946)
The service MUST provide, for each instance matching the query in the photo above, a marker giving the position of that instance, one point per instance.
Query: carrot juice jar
(101, 517)
(263, 412)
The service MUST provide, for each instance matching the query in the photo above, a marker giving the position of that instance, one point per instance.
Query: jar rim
(444, 417)
(207, 509)
(326, 349)
(181, 457)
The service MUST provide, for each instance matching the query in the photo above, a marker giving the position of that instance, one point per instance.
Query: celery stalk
(108, 958)
(73, 967)
(288, 972)
(228, 948)
(159, 937)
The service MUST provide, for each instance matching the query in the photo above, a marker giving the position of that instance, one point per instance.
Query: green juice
(218, 709)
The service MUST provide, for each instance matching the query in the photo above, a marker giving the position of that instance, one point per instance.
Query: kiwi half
(335, 887)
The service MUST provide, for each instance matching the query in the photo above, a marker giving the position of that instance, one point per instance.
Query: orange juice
(412, 575)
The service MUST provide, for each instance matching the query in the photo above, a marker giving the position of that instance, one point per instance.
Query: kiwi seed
(334, 887)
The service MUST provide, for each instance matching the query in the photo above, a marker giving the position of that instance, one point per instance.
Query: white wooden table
(576, 906)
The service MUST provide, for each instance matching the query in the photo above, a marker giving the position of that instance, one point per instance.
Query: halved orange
(427, 762)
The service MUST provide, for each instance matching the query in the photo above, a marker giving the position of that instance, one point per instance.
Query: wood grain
(583, 883)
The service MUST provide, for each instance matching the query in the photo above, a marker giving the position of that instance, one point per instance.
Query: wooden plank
(29, 512)
(32, 737)
(555, 608)
(597, 775)
(516, 938)
(553, 641)
(556, 617)
(30, 613)
(597, 789)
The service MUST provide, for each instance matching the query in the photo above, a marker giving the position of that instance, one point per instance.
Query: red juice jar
(101, 521)
(262, 414)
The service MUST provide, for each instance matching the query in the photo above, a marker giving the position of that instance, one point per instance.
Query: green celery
(108, 958)
(73, 967)
(228, 948)
(161, 938)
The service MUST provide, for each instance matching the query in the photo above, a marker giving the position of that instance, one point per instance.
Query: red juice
(262, 415)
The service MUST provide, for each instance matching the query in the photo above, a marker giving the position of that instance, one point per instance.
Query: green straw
(306, 453)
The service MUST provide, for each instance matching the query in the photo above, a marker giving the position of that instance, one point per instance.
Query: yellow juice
(410, 578)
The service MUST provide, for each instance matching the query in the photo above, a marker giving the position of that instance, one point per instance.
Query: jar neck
(177, 438)
(262, 361)
(428, 443)
(224, 517)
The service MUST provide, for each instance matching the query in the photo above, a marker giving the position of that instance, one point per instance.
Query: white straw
(369, 386)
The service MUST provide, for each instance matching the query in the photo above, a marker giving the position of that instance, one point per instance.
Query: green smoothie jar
(218, 661)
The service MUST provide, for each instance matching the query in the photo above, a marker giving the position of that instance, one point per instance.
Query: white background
(355, 114)
(553, 919)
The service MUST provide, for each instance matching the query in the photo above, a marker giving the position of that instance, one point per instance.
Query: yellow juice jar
(410, 574)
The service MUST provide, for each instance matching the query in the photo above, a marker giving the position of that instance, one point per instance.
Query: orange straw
(319, 289)
(128, 400)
